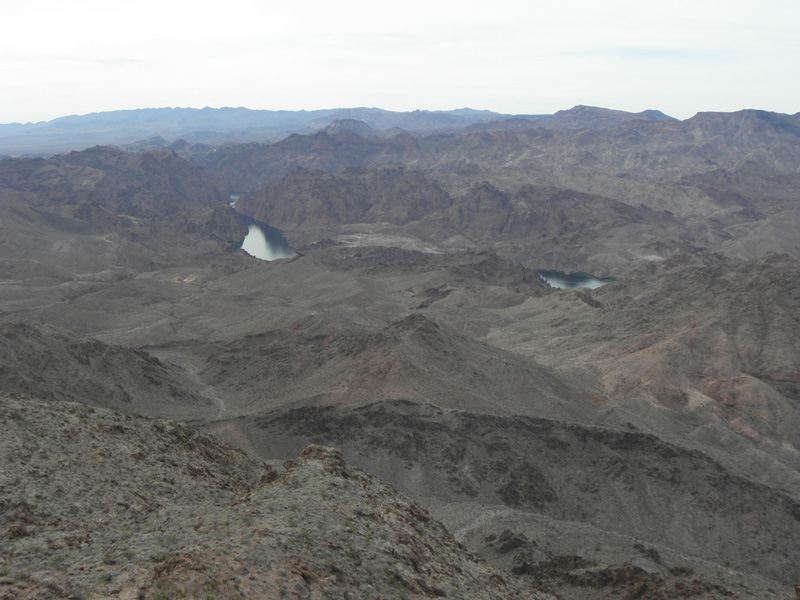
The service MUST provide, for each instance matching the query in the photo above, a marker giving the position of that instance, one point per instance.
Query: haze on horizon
(679, 57)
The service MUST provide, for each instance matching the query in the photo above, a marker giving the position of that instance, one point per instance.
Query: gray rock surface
(98, 504)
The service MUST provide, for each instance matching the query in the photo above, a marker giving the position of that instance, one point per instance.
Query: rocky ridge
(479, 473)
(35, 358)
(721, 181)
(146, 129)
(98, 504)
(414, 358)
(592, 232)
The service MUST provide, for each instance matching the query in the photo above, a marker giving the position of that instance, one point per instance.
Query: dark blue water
(559, 279)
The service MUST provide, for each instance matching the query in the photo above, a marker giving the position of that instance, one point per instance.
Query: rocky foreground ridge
(97, 504)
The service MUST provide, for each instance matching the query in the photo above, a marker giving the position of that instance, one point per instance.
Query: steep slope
(45, 362)
(412, 358)
(94, 218)
(199, 519)
(318, 200)
(718, 340)
(143, 185)
(604, 494)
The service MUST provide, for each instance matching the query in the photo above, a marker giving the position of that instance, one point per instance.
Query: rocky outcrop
(315, 200)
(412, 358)
(103, 209)
(97, 504)
(580, 579)
(625, 483)
(354, 125)
(148, 185)
(54, 364)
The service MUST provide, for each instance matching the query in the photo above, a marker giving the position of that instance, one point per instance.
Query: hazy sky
(682, 56)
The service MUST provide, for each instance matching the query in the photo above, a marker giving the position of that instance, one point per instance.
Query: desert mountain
(725, 182)
(637, 439)
(354, 125)
(636, 149)
(161, 126)
(593, 117)
(414, 359)
(199, 518)
(541, 472)
(539, 226)
(137, 185)
(94, 214)
(393, 195)
(35, 358)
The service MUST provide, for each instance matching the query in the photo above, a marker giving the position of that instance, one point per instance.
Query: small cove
(564, 281)
(262, 240)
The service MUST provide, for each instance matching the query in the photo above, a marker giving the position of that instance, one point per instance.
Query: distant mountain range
(225, 125)
(211, 125)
